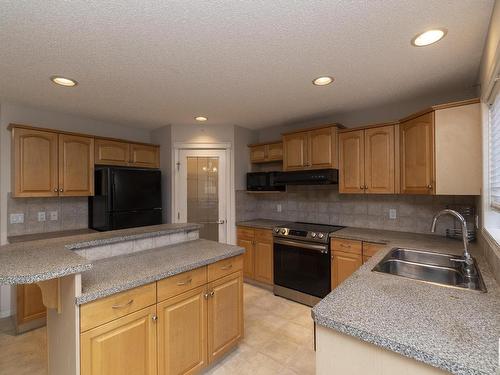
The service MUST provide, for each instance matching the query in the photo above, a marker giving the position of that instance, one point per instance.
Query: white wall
(242, 165)
(21, 114)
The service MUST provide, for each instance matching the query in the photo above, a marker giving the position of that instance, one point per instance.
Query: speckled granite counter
(34, 261)
(262, 223)
(455, 330)
(121, 273)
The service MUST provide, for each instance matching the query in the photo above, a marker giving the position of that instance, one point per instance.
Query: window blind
(494, 148)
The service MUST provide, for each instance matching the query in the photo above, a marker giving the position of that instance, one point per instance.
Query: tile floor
(278, 340)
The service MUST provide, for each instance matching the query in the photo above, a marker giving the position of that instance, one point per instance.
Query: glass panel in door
(203, 195)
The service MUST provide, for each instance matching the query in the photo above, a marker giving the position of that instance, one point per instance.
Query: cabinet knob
(366, 187)
(206, 295)
(212, 293)
(361, 187)
(429, 187)
(155, 318)
(61, 190)
(55, 190)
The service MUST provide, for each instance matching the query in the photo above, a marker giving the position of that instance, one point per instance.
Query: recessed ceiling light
(429, 37)
(323, 81)
(63, 81)
(201, 118)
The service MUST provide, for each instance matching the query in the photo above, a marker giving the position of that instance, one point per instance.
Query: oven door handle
(319, 248)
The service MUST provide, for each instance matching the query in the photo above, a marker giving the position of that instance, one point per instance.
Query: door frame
(227, 148)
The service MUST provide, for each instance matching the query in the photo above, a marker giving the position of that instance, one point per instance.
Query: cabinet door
(275, 151)
(417, 155)
(29, 303)
(182, 333)
(264, 261)
(343, 266)
(76, 165)
(322, 148)
(379, 160)
(225, 315)
(351, 162)
(111, 152)
(124, 346)
(144, 156)
(248, 257)
(258, 153)
(295, 151)
(35, 172)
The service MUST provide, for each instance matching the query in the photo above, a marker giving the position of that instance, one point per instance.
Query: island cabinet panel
(115, 306)
(417, 155)
(124, 346)
(110, 152)
(76, 165)
(224, 267)
(174, 285)
(225, 315)
(182, 333)
(35, 163)
(29, 304)
(144, 156)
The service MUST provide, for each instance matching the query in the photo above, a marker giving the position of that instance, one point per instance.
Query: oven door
(302, 266)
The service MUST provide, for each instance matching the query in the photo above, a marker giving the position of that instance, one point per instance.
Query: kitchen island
(383, 324)
(119, 300)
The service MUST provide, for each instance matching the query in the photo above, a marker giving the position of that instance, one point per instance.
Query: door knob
(221, 221)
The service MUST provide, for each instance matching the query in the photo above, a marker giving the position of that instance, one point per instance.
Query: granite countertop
(262, 223)
(34, 261)
(452, 329)
(113, 275)
(49, 235)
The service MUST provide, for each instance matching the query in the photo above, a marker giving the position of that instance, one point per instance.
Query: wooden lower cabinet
(29, 304)
(343, 266)
(179, 335)
(182, 333)
(124, 346)
(258, 257)
(225, 315)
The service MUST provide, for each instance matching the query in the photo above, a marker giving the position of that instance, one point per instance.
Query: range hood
(312, 177)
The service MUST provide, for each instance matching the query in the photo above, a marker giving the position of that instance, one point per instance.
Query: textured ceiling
(250, 63)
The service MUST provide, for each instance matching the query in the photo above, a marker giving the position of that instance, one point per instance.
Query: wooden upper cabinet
(225, 315)
(76, 165)
(110, 152)
(295, 151)
(124, 346)
(34, 163)
(379, 160)
(144, 156)
(417, 155)
(351, 162)
(266, 152)
(323, 148)
(182, 333)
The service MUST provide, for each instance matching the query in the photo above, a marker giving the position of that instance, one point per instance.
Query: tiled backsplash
(323, 204)
(72, 213)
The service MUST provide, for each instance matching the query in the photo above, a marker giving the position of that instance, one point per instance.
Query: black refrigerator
(125, 198)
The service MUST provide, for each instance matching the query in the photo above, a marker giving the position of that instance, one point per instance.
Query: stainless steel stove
(302, 264)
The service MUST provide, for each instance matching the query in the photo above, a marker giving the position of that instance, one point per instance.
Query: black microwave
(263, 181)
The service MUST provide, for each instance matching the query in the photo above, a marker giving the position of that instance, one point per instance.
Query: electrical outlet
(53, 215)
(41, 216)
(278, 207)
(16, 218)
(392, 213)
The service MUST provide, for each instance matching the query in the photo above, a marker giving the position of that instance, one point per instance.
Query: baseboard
(5, 313)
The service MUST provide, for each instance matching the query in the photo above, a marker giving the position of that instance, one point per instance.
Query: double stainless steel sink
(435, 268)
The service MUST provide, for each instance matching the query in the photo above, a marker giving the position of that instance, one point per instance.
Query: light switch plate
(41, 216)
(53, 215)
(16, 218)
(392, 213)
(278, 207)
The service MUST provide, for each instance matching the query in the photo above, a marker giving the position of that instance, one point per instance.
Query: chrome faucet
(467, 259)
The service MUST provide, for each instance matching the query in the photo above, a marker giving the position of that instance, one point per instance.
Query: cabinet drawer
(263, 235)
(224, 267)
(107, 309)
(174, 285)
(371, 248)
(245, 232)
(346, 246)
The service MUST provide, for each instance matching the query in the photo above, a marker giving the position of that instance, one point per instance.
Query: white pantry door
(201, 191)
